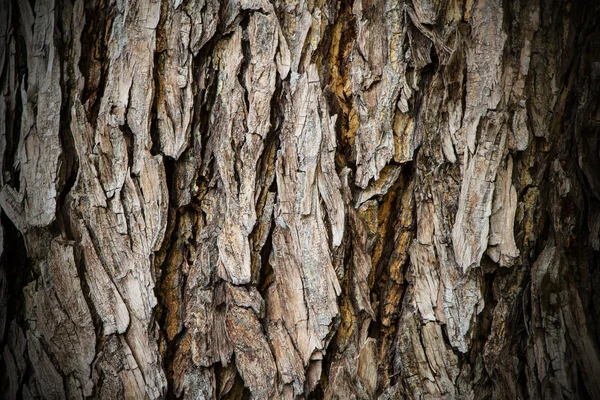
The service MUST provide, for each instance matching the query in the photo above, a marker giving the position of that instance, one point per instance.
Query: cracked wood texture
(296, 199)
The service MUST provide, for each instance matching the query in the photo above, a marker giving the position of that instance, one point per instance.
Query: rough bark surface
(362, 199)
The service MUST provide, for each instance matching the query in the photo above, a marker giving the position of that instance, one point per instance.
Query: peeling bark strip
(264, 199)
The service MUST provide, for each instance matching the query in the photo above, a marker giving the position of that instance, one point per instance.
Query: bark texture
(264, 199)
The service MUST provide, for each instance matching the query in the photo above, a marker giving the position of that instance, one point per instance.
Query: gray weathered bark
(290, 199)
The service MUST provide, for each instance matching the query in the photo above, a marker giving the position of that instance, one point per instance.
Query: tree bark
(266, 199)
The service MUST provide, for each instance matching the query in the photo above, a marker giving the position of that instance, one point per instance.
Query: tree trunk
(266, 199)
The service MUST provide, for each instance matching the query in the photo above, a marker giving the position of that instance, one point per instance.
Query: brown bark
(299, 199)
